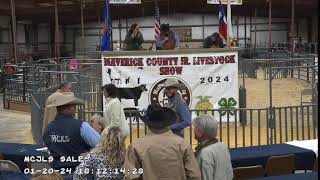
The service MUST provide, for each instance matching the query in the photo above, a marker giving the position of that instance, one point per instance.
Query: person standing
(168, 39)
(134, 38)
(213, 156)
(177, 104)
(66, 136)
(114, 109)
(160, 154)
(51, 112)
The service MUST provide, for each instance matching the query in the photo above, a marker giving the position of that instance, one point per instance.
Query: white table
(307, 144)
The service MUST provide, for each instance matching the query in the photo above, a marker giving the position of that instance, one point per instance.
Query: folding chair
(280, 165)
(243, 173)
(9, 166)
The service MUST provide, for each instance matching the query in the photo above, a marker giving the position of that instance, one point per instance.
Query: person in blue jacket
(179, 105)
(67, 137)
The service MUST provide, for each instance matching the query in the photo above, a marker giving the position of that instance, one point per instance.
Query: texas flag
(222, 24)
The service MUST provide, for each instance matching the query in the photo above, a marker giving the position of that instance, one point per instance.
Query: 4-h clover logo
(227, 106)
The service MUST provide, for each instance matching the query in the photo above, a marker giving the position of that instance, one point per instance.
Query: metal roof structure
(39, 11)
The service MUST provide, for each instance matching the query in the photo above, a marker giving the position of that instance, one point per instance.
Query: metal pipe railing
(257, 132)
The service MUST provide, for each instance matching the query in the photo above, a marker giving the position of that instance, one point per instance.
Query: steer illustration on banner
(118, 80)
(132, 93)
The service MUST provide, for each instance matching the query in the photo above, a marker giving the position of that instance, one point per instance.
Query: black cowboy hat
(165, 27)
(159, 117)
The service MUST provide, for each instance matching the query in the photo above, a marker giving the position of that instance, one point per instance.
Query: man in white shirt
(213, 156)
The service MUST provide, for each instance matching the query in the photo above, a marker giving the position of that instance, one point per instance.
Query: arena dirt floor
(286, 92)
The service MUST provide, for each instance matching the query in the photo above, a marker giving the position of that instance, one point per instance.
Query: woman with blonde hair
(106, 159)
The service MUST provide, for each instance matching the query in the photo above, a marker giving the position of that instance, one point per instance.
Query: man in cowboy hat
(167, 39)
(65, 136)
(177, 104)
(161, 154)
(51, 112)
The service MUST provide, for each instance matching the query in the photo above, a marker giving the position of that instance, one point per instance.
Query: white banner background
(216, 81)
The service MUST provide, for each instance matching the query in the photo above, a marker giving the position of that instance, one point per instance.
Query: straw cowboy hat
(65, 99)
(171, 83)
(159, 117)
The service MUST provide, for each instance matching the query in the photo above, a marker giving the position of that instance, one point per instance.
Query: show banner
(207, 80)
(125, 1)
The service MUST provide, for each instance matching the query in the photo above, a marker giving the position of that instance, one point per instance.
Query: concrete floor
(15, 127)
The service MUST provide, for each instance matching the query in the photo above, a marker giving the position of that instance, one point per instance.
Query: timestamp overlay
(83, 171)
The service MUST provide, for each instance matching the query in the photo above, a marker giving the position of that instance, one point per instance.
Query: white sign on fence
(208, 80)
(125, 1)
(232, 2)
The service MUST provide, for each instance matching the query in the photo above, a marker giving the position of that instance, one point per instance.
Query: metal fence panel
(234, 134)
(251, 127)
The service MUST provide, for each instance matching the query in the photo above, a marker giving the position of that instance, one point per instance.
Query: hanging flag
(106, 38)
(222, 24)
(229, 25)
(157, 19)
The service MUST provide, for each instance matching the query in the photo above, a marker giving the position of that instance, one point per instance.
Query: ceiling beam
(30, 9)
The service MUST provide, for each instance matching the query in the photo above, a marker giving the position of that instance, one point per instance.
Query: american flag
(157, 19)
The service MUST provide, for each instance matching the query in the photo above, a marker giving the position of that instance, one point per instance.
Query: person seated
(213, 156)
(168, 39)
(52, 176)
(108, 154)
(161, 154)
(67, 137)
(98, 123)
(213, 41)
(134, 38)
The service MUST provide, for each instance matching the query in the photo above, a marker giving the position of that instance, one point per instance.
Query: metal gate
(86, 82)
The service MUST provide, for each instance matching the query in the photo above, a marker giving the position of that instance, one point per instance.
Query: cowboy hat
(65, 99)
(159, 117)
(171, 83)
(165, 28)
